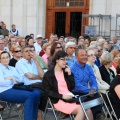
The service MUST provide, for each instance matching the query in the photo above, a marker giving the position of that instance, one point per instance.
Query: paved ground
(14, 116)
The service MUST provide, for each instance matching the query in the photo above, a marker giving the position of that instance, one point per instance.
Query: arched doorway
(64, 17)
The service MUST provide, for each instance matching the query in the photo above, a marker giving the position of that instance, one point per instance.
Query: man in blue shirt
(85, 80)
(83, 74)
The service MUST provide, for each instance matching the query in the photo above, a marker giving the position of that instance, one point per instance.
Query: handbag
(21, 86)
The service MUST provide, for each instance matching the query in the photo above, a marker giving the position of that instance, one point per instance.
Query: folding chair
(10, 107)
(56, 113)
(108, 97)
(0, 117)
(92, 103)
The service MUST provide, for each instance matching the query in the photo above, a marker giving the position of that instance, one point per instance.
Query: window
(70, 3)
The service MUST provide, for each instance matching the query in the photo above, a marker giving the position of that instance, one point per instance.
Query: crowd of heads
(105, 50)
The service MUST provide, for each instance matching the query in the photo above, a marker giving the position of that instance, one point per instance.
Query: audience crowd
(59, 68)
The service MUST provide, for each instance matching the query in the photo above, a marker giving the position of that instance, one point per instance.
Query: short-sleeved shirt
(23, 67)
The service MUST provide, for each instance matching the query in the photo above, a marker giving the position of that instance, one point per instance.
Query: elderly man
(70, 50)
(84, 75)
(29, 68)
(37, 45)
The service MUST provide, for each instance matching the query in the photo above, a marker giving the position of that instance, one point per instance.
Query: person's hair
(58, 55)
(21, 38)
(53, 47)
(106, 58)
(118, 67)
(13, 47)
(3, 52)
(13, 25)
(27, 46)
(45, 46)
(27, 40)
(114, 52)
(43, 42)
(101, 42)
(76, 52)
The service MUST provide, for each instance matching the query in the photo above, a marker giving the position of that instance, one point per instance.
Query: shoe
(100, 116)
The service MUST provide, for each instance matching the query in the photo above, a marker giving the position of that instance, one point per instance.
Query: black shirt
(13, 62)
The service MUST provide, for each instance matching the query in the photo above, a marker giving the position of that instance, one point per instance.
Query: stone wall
(28, 15)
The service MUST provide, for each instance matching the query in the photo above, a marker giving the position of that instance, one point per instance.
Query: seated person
(115, 91)
(29, 68)
(84, 75)
(58, 83)
(16, 51)
(46, 47)
(102, 85)
(40, 59)
(8, 77)
(70, 48)
(106, 73)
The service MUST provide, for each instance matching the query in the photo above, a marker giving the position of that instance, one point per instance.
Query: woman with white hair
(70, 48)
(102, 85)
(103, 44)
(106, 73)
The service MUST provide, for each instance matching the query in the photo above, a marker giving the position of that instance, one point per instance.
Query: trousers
(29, 99)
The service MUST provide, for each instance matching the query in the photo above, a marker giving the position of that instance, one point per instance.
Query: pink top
(62, 85)
(62, 106)
(45, 58)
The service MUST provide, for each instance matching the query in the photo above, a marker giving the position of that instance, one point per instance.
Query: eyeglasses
(91, 55)
(17, 51)
(58, 47)
(5, 58)
(64, 59)
(72, 48)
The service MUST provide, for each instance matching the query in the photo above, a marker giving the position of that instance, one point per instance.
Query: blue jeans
(30, 100)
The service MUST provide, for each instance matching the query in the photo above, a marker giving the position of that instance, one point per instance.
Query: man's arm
(40, 71)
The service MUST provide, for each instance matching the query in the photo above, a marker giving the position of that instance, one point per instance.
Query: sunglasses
(17, 51)
(58, 47)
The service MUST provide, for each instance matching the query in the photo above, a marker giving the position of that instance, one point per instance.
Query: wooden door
(65, 20)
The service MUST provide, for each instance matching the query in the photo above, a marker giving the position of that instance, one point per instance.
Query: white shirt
(37, 48)
(8, 72)
(23, 67)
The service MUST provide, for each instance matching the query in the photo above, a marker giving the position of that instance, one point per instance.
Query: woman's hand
(66, 97)
(67, 69)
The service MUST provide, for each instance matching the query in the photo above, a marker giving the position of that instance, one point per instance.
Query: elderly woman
(58, 83)
(103, 44)
(16, 51)
(115, 91)
(106, 73)
(102, 85)
(8, 77)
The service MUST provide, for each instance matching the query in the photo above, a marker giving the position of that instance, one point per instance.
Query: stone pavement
(49, 115)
